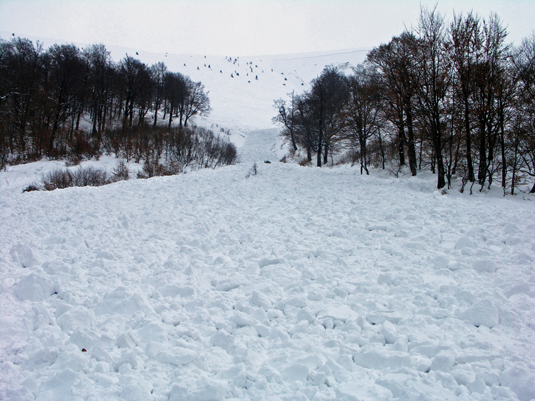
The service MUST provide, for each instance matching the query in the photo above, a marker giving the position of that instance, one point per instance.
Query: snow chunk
(379, 316)
(208, 390)
(389, 332)
(262, 330)
(482, 313)
(125, 340)
(427, 349)
(484, 266)
(519, 379)
(242, 319)
(266, 262)
(124, 302)
(260, 300)
(127, 359)
(477, 386)
(385, 278)
(463, 374)
(465, 242)
(152, 332)
(465, 296)
(78, 317)
(405, 386)
(53, 240)
(105, 255)
(42, 358)
(227, 285)
(341, 313)
(443, 362)
(523, 288)
(298, 302)
(140, 390)
(173, 290)
(304, 315)
(297, 372)
(85, 338)
(222, 339)
(362, 392)
(475, 355)
(176, 356)
(60, 386)
(23, 254)
(381, 358)
(34, 288)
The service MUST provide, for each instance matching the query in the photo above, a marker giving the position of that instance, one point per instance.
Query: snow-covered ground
(296, 283)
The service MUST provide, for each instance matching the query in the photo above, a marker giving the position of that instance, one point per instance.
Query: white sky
(239, 27)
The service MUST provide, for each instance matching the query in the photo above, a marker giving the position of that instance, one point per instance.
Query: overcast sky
(239, 27)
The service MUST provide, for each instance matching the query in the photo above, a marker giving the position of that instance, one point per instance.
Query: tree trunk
(412, 149)
(381, 147)
(320, 144)
(363, 162)
(469, 161)
(437, 144)
(441, 183)
(318, 156)
(401, 139)
(504, 162)
(156, 115)
(170, 119)
(482, 173)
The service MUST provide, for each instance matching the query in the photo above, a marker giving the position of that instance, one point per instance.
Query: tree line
(454, 98)
(64, 100)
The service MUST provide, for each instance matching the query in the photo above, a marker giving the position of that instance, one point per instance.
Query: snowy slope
(293, 284)
(296, 283)
(242, 89)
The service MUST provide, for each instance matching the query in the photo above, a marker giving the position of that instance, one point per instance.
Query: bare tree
(466, 45)
(287, 118)
(137, 85)
(524, 127)
(196, 103)
(490, 70)
(433, 66)
(158, 71)
(327, 99)
(101, 79)
(66, 69)
(362, 112)
(397, 64)
(176, 92)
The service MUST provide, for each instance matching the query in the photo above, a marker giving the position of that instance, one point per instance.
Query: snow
(296, 283)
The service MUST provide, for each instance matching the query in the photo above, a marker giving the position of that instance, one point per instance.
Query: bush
(31, 188)
(57, 179)
(89, 177)
(120, 173)
(252, 171)
(153, 168)
(82, 177)
(304, 162)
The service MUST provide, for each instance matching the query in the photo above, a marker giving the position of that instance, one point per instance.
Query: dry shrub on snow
(82, 177)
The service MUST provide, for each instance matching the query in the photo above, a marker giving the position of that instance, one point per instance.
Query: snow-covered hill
(294, 283)
(242, 89)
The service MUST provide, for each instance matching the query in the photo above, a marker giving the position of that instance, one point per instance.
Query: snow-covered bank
(294, 284)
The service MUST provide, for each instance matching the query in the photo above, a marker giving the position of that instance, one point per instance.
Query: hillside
(241, 102)
(293, 283)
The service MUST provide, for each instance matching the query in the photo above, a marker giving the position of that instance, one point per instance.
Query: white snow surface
(296, 283)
